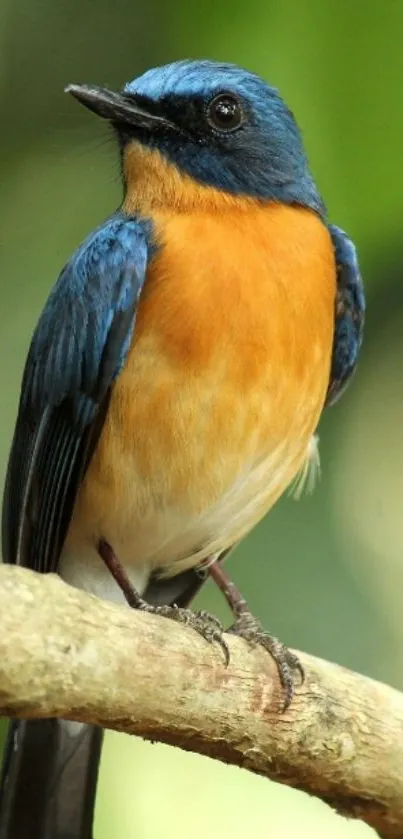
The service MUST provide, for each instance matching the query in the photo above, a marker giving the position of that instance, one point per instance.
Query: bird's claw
(206, 625)
(246, 626)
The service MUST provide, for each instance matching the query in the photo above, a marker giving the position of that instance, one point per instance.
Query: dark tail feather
(48, 785)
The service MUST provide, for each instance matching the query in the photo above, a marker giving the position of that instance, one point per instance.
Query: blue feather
(78, 349)
(349, 314)
(98, 286)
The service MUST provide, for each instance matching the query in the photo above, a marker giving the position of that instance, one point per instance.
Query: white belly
(84, 568)
(168, 540)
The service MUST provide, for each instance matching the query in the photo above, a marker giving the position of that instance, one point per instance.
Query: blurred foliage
(324, 574)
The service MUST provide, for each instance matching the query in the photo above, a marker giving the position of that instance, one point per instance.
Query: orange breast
(223, 387)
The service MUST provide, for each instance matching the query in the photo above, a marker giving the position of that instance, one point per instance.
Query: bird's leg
(208, 626)
(113, 565)
(248, 627)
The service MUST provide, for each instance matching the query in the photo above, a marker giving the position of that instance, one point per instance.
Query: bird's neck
(153, 184)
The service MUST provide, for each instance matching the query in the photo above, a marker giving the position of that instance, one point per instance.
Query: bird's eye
(224, 113)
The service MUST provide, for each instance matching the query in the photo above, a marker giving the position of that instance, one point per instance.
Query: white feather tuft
(309, 474)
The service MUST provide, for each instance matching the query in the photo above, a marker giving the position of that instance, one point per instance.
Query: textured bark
(64, 653)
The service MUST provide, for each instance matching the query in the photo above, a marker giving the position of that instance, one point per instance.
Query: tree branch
(66, 654)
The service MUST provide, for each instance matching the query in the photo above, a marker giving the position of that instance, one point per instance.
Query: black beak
(119, 108)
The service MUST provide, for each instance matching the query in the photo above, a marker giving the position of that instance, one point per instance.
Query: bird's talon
(248, 628)
(206, 625)
(203, 615)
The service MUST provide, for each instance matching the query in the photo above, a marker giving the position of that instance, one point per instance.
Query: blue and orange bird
(179, 369)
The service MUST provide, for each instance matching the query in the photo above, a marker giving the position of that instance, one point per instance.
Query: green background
(326, 573)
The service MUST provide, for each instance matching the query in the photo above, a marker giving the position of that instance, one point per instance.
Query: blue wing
(78, 348)
(349, 315)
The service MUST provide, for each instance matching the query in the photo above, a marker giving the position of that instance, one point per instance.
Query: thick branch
(64, 653)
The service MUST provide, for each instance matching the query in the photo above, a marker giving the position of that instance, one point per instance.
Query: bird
(174, 382)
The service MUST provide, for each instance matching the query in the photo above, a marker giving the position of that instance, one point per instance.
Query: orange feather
(214, 412)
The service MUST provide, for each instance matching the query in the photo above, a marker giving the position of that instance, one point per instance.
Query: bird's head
(198, 131)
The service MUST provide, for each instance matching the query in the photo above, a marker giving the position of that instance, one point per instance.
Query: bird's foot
(246, 626)
(206, 625)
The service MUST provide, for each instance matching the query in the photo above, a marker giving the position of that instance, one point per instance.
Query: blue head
(221, 125)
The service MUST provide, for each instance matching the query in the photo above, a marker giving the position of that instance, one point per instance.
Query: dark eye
(224, 113)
